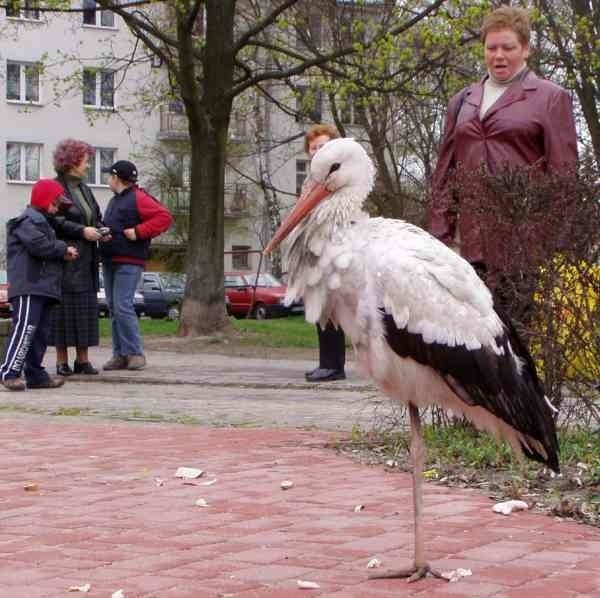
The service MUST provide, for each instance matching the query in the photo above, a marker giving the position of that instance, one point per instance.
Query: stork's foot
(411, 574)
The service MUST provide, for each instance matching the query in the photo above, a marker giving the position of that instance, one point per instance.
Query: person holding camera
(134, 218)
(34, 259)
(74, 323)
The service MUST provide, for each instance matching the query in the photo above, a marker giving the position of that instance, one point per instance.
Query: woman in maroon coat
(509, 119)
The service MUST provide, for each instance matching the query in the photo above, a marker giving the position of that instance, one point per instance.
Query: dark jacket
(34, 256)
(133, 208)
(532, 122)
(81, 274)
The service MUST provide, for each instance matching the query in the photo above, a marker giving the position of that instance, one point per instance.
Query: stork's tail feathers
(543, 447)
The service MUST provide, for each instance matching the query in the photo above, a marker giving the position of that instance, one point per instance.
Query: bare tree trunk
(208, 111)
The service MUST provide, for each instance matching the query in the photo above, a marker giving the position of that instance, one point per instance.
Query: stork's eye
(335, 166)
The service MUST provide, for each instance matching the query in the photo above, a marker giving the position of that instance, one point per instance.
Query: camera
(104, 231)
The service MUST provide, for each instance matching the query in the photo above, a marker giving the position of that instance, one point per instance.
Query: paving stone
(102, 519)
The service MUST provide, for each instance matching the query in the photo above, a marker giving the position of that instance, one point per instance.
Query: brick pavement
(98, 516)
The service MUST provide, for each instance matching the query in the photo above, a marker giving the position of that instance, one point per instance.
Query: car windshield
(173, 280)
(264, 280)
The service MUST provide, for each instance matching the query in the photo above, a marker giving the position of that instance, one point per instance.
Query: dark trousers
(332, 347)
(26, 347)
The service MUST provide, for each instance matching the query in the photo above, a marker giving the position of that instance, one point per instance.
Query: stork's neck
(340, 210)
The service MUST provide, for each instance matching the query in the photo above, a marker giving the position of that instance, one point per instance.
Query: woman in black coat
(75, 320)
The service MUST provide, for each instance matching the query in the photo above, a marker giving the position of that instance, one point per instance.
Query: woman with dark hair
(75, 320)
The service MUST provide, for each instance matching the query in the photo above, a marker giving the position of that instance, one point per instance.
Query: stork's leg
(417, 452)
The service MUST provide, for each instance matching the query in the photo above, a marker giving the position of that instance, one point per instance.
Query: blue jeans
(120, 282)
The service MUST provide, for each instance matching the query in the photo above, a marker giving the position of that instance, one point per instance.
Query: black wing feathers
(482, 378)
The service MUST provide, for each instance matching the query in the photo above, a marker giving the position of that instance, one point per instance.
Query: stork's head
(340, 170)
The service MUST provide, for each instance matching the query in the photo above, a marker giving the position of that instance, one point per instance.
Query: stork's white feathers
(425, 286)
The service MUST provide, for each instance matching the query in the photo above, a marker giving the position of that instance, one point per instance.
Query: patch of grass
(292, 331)
(71, 411)
(148, 327)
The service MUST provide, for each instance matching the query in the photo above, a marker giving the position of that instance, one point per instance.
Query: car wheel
(173, 313)
(261, 312)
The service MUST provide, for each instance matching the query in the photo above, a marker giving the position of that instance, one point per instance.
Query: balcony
(173, 123)
(236, 202)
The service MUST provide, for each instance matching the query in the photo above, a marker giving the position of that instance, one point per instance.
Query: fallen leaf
(456, 574)
(358, 508)
(159, 481)
(287, 484)
(209, 482)
(118, 594)
(308, 585)
(507, 507)
(391, 463)
(430, 474)
(84, 588)
(188, 473)
(30, 487)
(373, 564)
(201, 503)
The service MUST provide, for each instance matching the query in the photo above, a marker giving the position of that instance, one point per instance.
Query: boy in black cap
(134, 218)
(34, 256)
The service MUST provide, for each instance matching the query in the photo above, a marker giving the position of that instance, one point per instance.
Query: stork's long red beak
(309, 199)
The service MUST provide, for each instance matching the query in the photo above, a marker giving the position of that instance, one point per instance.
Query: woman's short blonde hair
(318, 130)
(507, 17)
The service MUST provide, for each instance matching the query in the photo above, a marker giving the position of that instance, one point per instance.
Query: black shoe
(311, 372)
(84, 368)
(49, 383)
(63, 369)
(325, 375)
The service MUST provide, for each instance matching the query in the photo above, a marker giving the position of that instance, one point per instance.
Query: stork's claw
(411, 574)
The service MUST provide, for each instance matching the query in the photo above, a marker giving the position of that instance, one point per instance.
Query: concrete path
(107, 510)
(212, 390)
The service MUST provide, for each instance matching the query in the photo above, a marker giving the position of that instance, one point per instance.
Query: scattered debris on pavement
(201, 503)
(456, 574)
(358, 508)
(308, 585)
(287, 484)
(373, 563)
(30, 487)
(118, 594)
(84, 588)
(188, 473)
(507, 507)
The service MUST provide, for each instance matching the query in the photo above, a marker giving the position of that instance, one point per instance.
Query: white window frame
(23, 83)
(97, 24)
(23, 162)
(302, 170)
(24, 12)
(96, 179)
(98, 91)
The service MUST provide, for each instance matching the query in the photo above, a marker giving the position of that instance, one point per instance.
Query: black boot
(63, 369)
(84, 368)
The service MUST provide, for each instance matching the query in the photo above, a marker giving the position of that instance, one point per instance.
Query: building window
(28, 10)
(102, 158)
(240, 261)
(98, 88)
(97, 18)
(22, 162)
(309, 104)
(22, 82)
(301, 174)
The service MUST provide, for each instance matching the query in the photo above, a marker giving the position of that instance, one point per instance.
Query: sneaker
(84, 368)
(136, 362)
(116, 362)
(13, 384)
(49, 383)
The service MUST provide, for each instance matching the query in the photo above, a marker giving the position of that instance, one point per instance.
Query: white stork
(422, 322)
